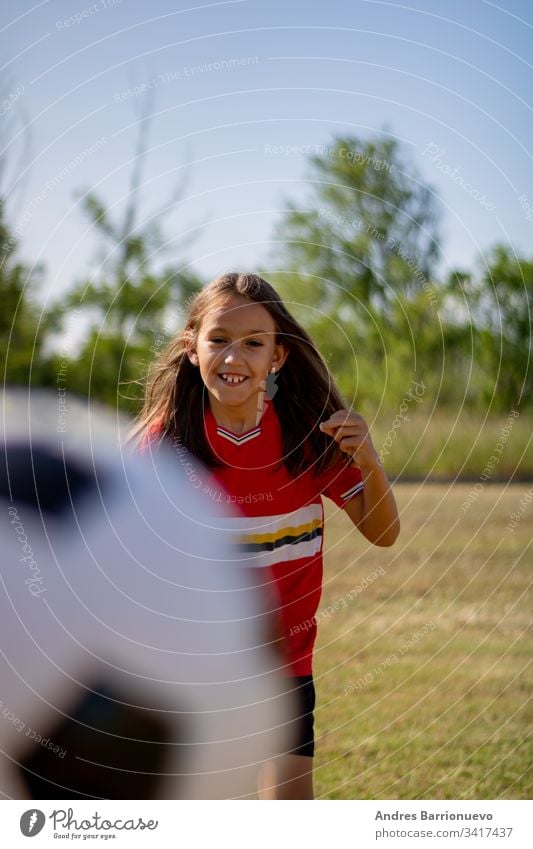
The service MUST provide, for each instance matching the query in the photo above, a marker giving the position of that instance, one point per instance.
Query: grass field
(443, 445)
(422, 685)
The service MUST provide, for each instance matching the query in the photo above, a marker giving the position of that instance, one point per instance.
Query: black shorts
(302, 725)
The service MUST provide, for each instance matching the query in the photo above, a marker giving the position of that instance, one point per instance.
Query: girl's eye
(217, 340)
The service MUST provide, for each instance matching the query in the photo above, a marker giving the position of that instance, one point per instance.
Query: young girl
(244, 389)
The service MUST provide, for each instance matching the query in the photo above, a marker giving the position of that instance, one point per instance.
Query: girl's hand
(350, 431)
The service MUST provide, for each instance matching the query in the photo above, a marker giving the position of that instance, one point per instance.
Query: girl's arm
(374, 511)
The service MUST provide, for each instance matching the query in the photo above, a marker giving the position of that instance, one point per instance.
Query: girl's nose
(233, 353)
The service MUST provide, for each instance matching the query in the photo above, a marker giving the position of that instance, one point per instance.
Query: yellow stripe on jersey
(266, 540)
(288, 531)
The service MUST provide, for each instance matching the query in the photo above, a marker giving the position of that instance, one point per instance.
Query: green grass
(446, 718)
(443, 445)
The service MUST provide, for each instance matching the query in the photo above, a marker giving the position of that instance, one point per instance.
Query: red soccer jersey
(281, 527)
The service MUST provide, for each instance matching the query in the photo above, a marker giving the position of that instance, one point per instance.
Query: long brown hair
(175, 395)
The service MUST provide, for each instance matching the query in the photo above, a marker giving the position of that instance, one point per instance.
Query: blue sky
(456, 75)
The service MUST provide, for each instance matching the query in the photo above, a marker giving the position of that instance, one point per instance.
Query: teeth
(229, 378)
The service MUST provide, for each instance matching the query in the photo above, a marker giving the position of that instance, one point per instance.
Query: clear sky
(452, 80)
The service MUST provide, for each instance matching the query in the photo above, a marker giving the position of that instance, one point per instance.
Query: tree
(24, 328)
(126, 303)
(360, 252)
(502, 295)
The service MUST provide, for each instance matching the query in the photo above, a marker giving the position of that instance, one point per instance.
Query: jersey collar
(237, 439)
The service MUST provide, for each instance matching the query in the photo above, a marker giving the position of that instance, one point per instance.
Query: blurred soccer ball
(136, 659)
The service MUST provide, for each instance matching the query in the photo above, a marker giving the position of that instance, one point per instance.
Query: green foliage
(488, 333)
(24, 327)
(361, 256)
(504, 296)
(369, 232)
(127, 305)
(360, 272)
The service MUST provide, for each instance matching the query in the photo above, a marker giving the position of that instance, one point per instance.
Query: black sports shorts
(302, 725)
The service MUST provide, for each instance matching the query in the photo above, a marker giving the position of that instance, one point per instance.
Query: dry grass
(447, 716)
(442, 445)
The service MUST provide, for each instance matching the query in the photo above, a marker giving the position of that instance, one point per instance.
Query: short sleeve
(341, 483)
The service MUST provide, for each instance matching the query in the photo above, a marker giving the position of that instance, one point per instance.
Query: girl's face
(235, 351)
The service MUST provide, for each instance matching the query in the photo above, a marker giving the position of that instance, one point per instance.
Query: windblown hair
(176, 395)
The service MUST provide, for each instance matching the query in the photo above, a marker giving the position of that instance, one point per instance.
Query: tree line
(359, 263)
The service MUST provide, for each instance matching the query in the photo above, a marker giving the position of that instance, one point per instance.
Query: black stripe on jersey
(255, 547)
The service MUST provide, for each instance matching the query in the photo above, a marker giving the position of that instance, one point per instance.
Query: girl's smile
(233, 379)
(235, 350)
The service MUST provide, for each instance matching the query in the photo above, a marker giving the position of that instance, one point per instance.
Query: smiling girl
(245, 390)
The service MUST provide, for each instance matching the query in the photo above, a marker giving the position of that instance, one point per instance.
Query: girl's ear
(193, 357)
(280, 355)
